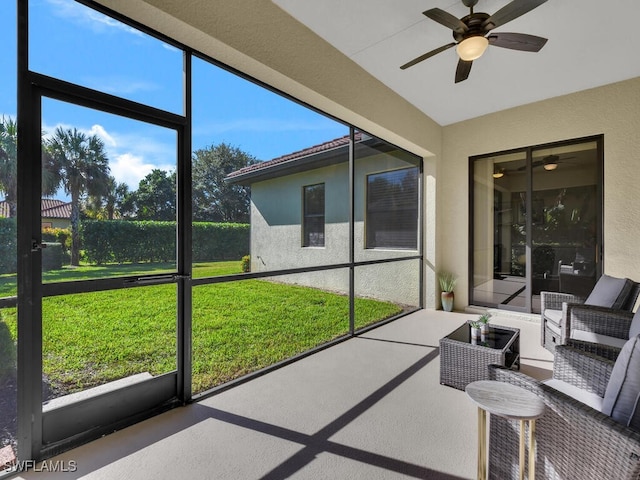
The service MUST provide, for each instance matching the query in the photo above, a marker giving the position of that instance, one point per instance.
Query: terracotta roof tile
(322, 147)
(50, 208)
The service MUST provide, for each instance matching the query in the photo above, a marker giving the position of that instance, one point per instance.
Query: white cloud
(120, 85)
(130, 169)
(102, 134)
(132, 155)
(86, 17)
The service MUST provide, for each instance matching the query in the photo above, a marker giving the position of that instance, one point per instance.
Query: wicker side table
(463, 361)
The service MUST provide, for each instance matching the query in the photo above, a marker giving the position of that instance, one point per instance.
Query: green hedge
(52, 256)
(8, 245)
(220, 241)
(124, 241)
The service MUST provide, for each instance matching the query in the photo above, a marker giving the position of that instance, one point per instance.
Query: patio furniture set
(590, 426)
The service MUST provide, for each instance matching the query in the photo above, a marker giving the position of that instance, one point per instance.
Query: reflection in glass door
(565, 219)
(499, 260)
(536, 224)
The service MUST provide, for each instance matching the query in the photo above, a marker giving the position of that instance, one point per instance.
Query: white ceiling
(591, 43)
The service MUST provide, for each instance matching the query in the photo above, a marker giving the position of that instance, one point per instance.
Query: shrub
(220, 241)
(123, 241)
(52, 256)
(8, 246)
(59, 235)
(246, 263)
(7, 352)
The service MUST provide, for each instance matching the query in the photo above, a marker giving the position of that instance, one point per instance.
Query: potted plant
(484, 323)
(447, 282)
(475, 330)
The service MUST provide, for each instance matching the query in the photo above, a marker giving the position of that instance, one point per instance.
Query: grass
(238, 327)
(8, 281)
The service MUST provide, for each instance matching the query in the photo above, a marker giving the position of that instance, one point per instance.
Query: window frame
(368, 221)
(306, 243)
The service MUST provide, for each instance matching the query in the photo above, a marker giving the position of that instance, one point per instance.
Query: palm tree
(84, 169)
(108, 204)
(9, 162)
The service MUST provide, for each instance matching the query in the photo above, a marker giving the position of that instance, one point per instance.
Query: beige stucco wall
(612, 110)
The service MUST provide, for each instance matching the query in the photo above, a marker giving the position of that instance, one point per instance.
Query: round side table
(508, 401)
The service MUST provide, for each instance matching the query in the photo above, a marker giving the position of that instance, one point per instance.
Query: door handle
(36, 245)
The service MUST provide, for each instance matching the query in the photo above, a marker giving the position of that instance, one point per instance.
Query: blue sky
(76, 44)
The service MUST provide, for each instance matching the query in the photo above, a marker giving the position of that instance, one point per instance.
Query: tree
(155, 198)
(83, 168)
(108, 204)
(214, 199)
(9, 164)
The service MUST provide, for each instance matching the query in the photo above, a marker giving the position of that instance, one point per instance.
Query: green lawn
(238, 327)
(8, 282)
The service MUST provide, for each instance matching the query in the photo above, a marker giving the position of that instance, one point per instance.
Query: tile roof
(290, 157)
(55, 209)
(50, 208)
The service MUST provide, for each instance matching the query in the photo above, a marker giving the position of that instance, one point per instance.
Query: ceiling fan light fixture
(498, 173)
(550, 162)
(472, 48)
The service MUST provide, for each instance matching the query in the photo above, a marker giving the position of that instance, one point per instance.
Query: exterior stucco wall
(611, 110)
(276, 233)
(57, 222)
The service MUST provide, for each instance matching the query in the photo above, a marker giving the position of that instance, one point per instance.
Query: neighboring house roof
(55, 209)
(49, 208)
(327, 153)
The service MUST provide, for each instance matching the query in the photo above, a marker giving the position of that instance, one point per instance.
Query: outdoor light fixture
(471, 48)
(550, 163)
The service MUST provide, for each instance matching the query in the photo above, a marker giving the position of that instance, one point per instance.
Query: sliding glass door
(536, 223)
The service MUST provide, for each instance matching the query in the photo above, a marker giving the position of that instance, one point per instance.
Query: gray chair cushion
(554, 315)
(623, 389)
(634, 329)
(610, 292)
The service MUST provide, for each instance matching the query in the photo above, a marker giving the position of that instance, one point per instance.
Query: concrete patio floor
(369, 408)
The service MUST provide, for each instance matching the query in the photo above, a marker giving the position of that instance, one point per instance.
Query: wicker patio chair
(574, 440)
(557, 308)
(602, 325)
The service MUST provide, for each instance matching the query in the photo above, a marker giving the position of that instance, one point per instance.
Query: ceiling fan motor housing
(474, 23)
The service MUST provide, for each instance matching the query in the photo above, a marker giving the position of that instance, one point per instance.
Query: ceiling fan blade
(446, 19)
(509, 12)
(462, 71)
(534, 164)
(517, 41)
(427, 55)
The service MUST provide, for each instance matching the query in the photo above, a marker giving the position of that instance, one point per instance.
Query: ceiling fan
(472, 33)
(549, 163)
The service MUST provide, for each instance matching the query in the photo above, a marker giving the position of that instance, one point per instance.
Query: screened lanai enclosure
(186, 243)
